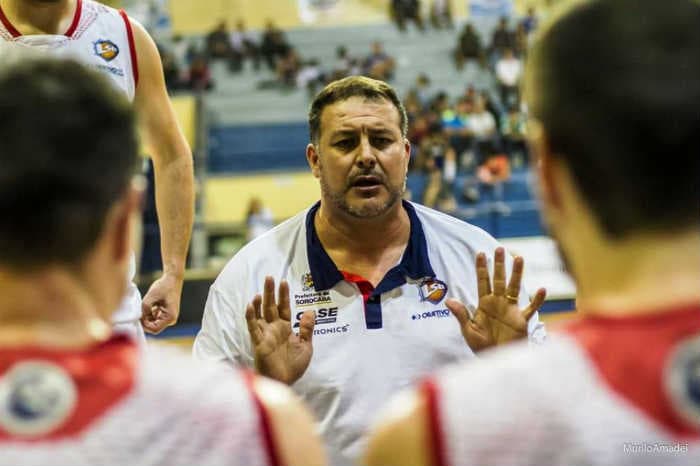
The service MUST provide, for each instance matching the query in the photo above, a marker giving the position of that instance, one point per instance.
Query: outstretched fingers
(283, 306)
(483, 280)
(516, 276)
(459, 310)
(535, 304)
(306, 326)
(251, 318)
(499, 272)
(269, 304)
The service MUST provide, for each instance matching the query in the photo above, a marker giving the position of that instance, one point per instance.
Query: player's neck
(40, 17)
(49, 309)
(642, 274)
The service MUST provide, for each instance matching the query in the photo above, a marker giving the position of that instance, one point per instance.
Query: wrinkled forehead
(360, 113)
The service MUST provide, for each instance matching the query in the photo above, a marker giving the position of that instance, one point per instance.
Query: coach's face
(361, 157)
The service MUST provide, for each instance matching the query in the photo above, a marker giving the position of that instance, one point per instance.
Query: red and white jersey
(608, 391)
(98, 36)
(112, 405)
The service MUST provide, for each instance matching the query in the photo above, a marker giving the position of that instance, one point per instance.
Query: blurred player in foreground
(381, 275)
(70, 393)
(120, 49)
(614, 93)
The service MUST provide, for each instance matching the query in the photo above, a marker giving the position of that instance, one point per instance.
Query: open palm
(279, 353)
(498, 319)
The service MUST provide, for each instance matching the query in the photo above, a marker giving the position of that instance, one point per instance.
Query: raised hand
(498, 319)
(279, 353)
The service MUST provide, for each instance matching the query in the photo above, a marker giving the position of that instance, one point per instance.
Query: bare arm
(292, 426)
(174, 182)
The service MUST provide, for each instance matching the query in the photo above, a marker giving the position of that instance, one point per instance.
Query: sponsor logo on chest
(320, 302)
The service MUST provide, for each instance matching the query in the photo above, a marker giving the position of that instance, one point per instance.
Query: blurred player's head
(614, 99)
(358, 146)
(68, 153)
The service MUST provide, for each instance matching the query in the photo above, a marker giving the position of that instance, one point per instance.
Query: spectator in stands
(441, 14)
(218, 45)
(310, 76)
(199, 76)
(403, 10)
(171, 71)
(501, 39)
(287, 67)
(482, 127)
(273, 45)
(509, 69)
(513, 131)
(521, 41)
(438, 161)
(243, 46)
(378, 64)
(345, 65)
(468, 46)
(183, 51)
(422, 90)
(530, 21)
(258, 219)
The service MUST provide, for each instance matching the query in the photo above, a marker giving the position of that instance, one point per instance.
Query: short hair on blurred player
(68, 150)
(346, 88)
(582, 88)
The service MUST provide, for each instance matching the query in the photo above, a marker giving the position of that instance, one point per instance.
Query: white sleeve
(224, 334)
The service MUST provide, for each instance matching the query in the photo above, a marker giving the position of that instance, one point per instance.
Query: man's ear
(546, 166)
(407, 151)
(312, 157)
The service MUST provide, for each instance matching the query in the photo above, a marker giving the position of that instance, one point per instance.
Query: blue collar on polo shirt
(414, 264)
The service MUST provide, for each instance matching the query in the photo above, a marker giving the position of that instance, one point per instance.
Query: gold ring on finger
(512, 299)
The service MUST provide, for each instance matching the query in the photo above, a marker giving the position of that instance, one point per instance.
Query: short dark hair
(68, 150)
(353, 86)
(616, 85)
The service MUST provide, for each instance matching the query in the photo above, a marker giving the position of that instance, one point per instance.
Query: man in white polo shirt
(376, 271)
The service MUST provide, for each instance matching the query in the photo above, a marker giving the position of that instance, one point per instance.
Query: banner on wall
(543, 266)
(490, 8)
(310, 11)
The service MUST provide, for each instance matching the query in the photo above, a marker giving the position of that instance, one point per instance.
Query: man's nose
(365, 154)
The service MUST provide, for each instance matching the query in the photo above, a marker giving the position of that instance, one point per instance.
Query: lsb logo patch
(432, 290)
(35, 398)
(683, 380)
(106, 49)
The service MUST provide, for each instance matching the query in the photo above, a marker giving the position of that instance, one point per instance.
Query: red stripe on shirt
(273, 457)
(8, 25)
(631, 354)
(436, 442)
(76, 19)
(132, 47)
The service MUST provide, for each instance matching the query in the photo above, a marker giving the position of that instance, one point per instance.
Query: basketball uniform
(112, 404)
(100, 37)
(607, 391)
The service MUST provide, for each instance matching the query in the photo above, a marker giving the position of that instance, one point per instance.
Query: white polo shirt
(369, 343)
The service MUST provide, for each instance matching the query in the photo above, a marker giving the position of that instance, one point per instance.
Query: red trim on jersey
(631, 354)
(8, 25)
(76, 19)
(103, 375)
(132, 47)
(69, 33)
(436, 443)
(366, 288)
(273, 456)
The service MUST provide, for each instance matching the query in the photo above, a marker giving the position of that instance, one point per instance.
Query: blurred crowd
(480, 132)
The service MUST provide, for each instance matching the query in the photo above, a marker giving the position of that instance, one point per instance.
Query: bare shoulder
(401, 436)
